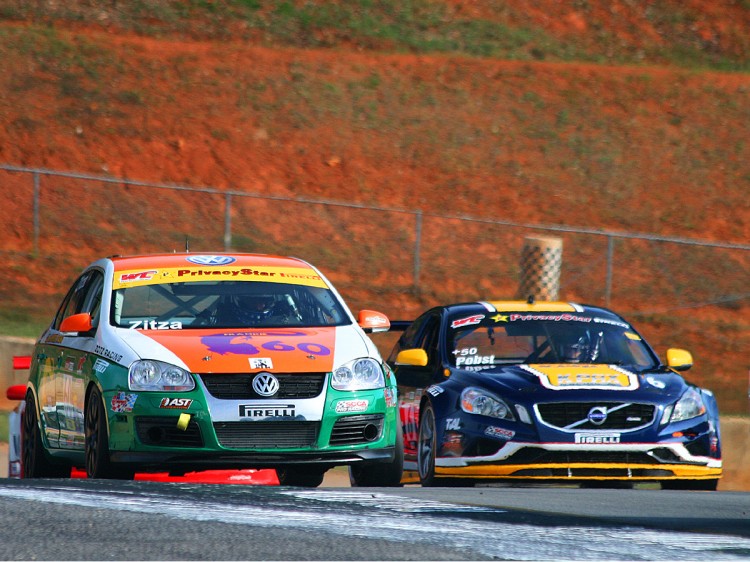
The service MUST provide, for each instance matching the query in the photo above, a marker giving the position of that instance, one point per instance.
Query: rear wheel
(305, 477)
(98, 464)
(381, 474)
(35, 463)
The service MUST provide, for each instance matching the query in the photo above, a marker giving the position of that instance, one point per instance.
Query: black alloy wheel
(35, 464)
(98, 464)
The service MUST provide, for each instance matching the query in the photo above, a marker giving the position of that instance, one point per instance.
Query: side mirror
(373, 321)
(16, 392)
(679, 359)
(414, 357)
(77, 323)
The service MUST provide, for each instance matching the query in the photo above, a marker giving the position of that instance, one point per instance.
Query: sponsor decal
(154, 325)
(108, 353)
(122, 402)
(612, 322)
(70, 363)
(452, 424)
(293, 275)
(100, 365)
(499, 318)
(266, 411)
(656, 383)
(597, 438)
(176, 403)
(499, 432)
(553, 317)
(211, 260)
(475, 360)
(468, 321)
(435, 390)
(346, 406)
(53, 338)
(564, 377)
(242, 343)
(137, 276)
(377, 320)
(260, 363)
(81, 363)
(265, 384)
(632, 336)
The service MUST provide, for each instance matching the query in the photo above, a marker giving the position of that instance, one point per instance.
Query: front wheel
(35, 463)
(98, 464)
(427, 446)
(701, 485)
(385, 475)
(305, 478)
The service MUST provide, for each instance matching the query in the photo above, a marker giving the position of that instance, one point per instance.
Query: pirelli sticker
(192, 273)
(587, 377)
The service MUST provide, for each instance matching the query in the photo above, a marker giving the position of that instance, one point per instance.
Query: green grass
(3, 426)
(418, 26)
(21, 325)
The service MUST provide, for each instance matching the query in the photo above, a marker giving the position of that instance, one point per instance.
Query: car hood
(245, 350)
(564, 379)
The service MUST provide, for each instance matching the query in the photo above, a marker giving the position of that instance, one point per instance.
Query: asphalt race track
(114, 520)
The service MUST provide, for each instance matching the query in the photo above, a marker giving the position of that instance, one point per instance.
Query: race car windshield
(527, 339)
(225, 304)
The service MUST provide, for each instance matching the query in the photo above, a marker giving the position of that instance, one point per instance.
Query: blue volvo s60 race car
(555, 391)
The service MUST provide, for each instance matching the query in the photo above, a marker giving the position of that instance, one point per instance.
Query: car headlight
(477, 401)
(155, 375)
(360, 374)
(690, 405)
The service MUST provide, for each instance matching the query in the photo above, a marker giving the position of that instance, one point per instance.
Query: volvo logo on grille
(597, 415)
(265, 384)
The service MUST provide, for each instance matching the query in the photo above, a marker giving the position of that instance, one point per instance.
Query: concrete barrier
(9, 347)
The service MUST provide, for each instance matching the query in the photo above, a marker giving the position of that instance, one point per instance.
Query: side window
(430, 340)
(73, 300)
(84, 296)
(92, 301)
(410, 338)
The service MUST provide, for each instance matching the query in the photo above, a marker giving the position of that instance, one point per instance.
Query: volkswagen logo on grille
(597, 415)
(265, 384)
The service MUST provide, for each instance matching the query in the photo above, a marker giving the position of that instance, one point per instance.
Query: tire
(606, 485)
(427, 446)
(35, 463)
(98, 464)
(701, 485)
(304, 478)
(382, 475)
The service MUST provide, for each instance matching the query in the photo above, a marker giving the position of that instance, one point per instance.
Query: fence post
(417, 243)
(228, 222)
(610, 260)
(37, 190)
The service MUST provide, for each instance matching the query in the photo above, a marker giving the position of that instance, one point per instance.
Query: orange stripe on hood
(287, 350)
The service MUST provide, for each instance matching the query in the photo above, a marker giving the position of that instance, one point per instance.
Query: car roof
(526, 306)
(122, 263)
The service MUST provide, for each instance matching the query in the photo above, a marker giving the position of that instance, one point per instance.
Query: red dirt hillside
(629, 116)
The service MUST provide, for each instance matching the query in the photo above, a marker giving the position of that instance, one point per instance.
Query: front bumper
(555, 461)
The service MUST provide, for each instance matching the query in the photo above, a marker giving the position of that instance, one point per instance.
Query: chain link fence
(396, 260)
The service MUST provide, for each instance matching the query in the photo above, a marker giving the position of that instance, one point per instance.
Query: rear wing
(400, 325)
